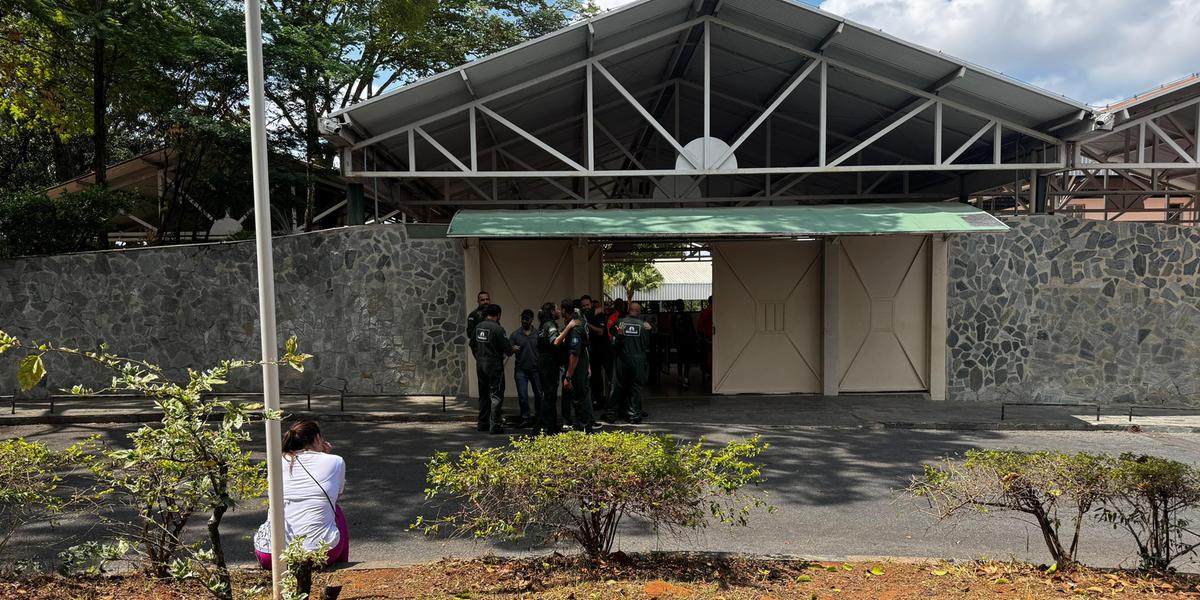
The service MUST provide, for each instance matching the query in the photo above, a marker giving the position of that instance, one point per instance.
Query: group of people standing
(574, 348)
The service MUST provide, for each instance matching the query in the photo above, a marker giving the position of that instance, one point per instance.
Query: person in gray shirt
(525, 370)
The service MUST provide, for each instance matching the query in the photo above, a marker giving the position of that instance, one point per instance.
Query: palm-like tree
(634, 276)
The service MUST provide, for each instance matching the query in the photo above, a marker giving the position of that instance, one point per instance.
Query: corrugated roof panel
(801, 25)
(668, 292)
(718, 222)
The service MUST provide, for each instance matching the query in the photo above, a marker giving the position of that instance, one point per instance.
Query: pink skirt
(339, 553)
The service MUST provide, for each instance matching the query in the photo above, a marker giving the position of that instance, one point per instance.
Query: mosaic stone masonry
(1069, 310)
(380, 311)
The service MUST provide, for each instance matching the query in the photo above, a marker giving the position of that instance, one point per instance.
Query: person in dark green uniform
(576, 377)
(473, 320)
(549, 369)
(631, 342)
(491, 347)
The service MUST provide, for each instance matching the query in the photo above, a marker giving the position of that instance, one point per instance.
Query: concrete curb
(462, 417)
(147, 417)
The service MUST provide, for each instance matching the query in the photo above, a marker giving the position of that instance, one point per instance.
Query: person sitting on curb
(313, 480)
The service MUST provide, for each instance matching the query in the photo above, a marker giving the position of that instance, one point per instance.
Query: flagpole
(266, 288)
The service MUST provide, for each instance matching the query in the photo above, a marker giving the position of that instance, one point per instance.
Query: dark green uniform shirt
(549, 356)
(632, 338)
(491, 344)
(473, 320)
(577, 345)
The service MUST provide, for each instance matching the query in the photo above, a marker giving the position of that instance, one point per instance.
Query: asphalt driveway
(836, 490)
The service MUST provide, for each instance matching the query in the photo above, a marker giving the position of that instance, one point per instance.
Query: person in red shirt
(618, 311)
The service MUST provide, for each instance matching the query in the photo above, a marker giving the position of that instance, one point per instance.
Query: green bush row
(1149, 498)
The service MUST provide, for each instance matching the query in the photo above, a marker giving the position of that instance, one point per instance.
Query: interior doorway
(677, 303)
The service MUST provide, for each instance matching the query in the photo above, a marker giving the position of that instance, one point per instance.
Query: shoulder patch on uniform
(631, 329)
(483, 335)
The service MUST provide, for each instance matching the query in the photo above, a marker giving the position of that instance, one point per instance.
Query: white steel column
(938, 256)
(832, 247)
(708, 91)
(823, 118)
(590, 127)
(937, 134)
(266, 290)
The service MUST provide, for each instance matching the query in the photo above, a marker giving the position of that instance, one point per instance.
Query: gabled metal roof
(853, 44)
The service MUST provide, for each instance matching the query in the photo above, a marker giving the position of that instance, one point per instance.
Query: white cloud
(1097, 51)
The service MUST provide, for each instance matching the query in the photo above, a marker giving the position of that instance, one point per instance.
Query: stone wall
(1068, 310)
(381, 310)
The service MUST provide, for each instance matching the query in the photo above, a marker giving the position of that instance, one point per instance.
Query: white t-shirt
(312, 482)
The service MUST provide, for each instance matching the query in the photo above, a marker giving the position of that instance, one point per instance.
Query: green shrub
(1152, 500)
(297, 581)
(33, 223)
(38, 484)
(91, 558)
(581, 486)
(191, 462)
(1056, 489)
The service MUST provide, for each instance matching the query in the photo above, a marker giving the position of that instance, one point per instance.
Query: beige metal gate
(883, 313)
(522, 274)
(767, 317)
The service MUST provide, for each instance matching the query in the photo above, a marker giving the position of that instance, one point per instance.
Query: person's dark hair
(585, 297)
(568, 306)
(301, 435)
(547, 312)
(526, 314)
(492, 310)
(679, 305)
(481, 293)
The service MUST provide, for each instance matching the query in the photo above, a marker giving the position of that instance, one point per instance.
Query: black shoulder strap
(296, 458)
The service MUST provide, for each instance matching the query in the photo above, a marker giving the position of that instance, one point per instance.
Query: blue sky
(1096, 51)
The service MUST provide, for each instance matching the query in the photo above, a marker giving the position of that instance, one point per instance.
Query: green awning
(720, 222)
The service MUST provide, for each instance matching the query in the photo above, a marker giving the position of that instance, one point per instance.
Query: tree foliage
(192, 462)
(40, 485)
(580, 486)
(33, 223)
(633, 276)
(1155, 501)
(89, 82)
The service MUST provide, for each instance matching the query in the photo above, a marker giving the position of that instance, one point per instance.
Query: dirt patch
(671, 577)
(129, 587)
(698, 579)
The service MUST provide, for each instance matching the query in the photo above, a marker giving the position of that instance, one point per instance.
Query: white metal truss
(848, 158)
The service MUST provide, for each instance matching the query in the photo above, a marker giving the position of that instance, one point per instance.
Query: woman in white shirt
(313, 479)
